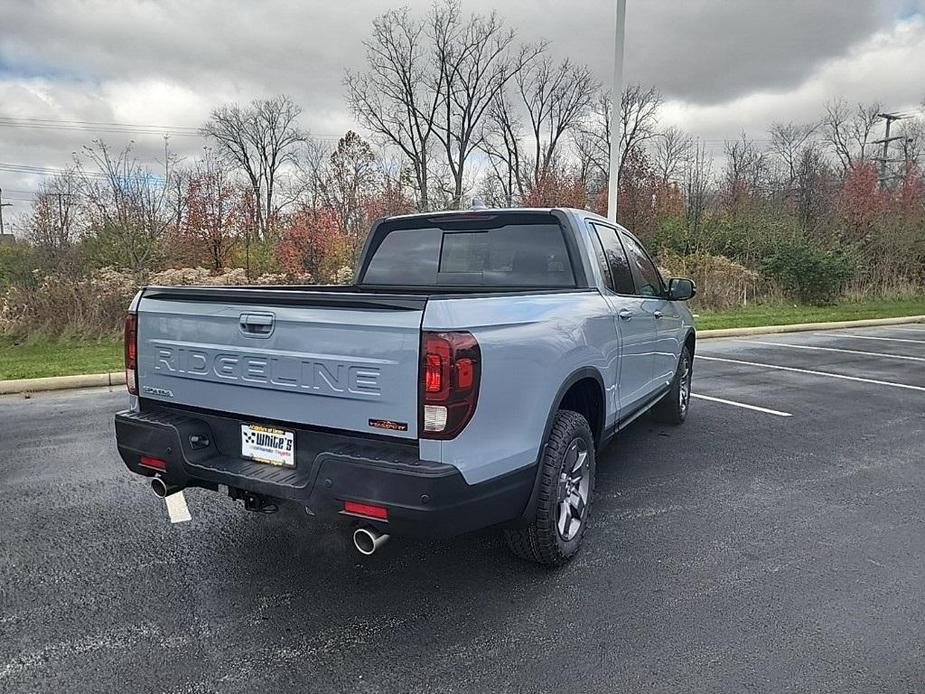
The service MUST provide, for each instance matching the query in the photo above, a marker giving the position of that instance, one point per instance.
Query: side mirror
(681, 289)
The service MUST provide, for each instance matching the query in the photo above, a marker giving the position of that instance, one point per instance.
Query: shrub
(95, 305)
(17, 259)
(57, 304)
(721, 283)
(809, 274)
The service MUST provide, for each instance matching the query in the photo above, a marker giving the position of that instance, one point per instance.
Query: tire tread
(538, 542)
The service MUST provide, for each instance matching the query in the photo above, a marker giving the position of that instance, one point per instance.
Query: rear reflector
(367, 510)
(153, 463)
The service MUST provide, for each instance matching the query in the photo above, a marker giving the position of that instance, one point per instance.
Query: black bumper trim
(425, 499)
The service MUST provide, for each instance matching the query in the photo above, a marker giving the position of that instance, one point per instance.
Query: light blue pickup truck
(468, 378)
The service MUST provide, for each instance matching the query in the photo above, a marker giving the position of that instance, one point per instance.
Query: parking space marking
(814, 373)
(885, 339)
(743, 405)
(911, 330)
(836, 349)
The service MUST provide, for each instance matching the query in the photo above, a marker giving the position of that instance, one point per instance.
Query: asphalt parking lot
(774, 543)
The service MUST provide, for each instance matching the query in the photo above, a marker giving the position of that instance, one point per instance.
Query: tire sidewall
(676, 391)
(575, 428)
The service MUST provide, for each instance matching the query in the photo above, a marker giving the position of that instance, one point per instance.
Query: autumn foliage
(309, 242)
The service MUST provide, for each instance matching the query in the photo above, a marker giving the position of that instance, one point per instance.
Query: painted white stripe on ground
(871, 337)
(743, 405)
(836, 349)
(814, 373)
(910, 330)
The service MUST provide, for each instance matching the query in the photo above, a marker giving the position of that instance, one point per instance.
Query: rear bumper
(424, 499)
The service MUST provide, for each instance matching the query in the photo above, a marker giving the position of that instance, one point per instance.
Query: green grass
(752, 316)
(36, 357)
(40, 356)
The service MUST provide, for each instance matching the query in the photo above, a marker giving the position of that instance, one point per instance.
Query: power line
(113, 127)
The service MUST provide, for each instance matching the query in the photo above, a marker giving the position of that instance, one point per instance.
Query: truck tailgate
(341, 360)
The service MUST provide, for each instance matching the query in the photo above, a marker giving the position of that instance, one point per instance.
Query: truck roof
(497, 210)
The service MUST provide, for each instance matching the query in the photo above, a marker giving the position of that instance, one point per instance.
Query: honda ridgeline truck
(468, 378)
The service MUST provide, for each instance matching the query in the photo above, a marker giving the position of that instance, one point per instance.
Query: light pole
(2, 205)
(616, 99)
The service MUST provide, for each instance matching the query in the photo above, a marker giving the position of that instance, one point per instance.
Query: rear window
(503, 255)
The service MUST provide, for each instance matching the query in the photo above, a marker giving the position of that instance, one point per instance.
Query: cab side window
(650, 281)
(618, 276)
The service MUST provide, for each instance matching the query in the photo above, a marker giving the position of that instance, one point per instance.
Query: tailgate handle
(257, 324)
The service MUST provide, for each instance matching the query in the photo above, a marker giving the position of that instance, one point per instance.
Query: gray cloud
(171, 61)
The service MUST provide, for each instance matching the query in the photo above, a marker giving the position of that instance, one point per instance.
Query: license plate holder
(268, 445)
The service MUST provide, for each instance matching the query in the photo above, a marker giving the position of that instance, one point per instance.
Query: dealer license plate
(268, 445)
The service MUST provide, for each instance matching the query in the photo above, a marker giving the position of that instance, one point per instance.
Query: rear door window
(507, 255)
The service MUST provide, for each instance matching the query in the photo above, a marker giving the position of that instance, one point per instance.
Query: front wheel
(566, 484)
(673, 407)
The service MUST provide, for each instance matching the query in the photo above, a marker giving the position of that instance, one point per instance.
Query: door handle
(256, 324)
(625, 314)
(657, 314)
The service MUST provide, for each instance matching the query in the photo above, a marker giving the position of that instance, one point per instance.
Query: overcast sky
(723, 65)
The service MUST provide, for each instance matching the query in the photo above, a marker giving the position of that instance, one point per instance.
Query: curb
(117, 378)
(35, 385)
(802, 327)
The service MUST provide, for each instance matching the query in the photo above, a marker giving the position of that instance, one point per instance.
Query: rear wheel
(564, 498)
(672, 409)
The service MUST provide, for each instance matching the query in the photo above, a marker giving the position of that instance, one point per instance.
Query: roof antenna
(478, 203)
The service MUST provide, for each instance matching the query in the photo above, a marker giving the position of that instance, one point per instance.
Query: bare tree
(698, 182)
(912, 145)
(396, 97)
(475, 59)
(502, 143)
(638, 120)
(848, 131)
(554, 99)
(788, 141)
(128, 205)
(811, 180)
(350, 179)
(53, 220)
(261, 139)
(746, 167)
(670, 152)
(311, 169)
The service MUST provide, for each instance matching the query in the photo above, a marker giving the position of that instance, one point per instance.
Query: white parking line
(871, 337)
(743, 405)
(814, 373)
(836, 349)
(911, 330)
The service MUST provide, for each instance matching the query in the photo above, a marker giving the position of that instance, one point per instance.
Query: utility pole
(616, 101)
(2, 205)
(884, 157)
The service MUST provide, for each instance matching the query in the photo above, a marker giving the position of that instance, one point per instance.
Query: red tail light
(131, 353)
(450, 373)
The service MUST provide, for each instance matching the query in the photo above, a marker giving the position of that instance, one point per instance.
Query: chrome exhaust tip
(162, 489)
(368, 540)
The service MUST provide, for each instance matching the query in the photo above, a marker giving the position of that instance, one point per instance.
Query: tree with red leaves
(214, 216)
(557, 188)
(862, 199)
(309, 242)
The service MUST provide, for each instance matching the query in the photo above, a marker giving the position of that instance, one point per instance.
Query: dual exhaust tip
(366, 539)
